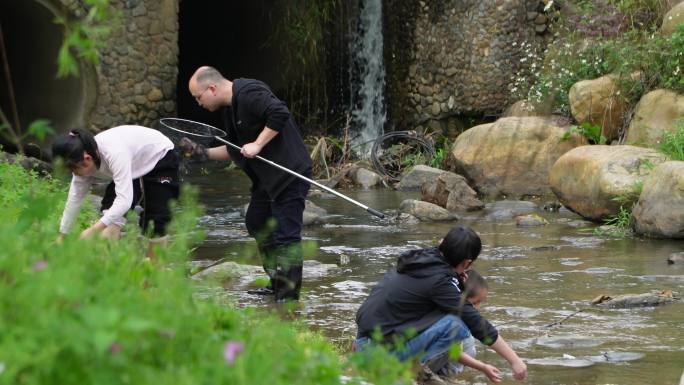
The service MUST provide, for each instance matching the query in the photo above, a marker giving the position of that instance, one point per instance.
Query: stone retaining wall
(136, 76)
(456, 57)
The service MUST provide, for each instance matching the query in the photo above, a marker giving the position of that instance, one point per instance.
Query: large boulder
(414, 178)
(426, 211)
(672, 19)
(660, 209)
(512, 156)
(588, 179)
(656, 112)
(452, 192)
(598, 102)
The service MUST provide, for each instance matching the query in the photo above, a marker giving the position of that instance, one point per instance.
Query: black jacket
(253, 107)
(421, 290)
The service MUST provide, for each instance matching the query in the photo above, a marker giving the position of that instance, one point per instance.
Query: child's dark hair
(459, 244)
(474, 284)
(70, 147)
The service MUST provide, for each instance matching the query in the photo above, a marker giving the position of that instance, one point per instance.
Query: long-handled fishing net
(201, 133)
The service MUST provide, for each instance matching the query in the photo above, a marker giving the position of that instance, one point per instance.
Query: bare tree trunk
(13, 130)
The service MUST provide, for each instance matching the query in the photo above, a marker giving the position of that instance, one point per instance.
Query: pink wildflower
(39, 265)
(231, 350)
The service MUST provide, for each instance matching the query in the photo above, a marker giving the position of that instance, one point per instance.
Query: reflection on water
(541, 282)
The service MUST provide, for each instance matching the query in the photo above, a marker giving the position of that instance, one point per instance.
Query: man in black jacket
(423, 298)
(261, 124)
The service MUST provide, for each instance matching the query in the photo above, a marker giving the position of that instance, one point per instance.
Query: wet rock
(452, 192)
(567, 362)
(504, 210)
(659, 213)
(426, 211)
(530, 220)
(365, 178)
(636, 300)
(614, 231)
(676, 258)
(552, 206)
(588, 179)
(512, 156)
(232, 272)
(27, 162)
(416, 176)
(406, 219)
(568, 342)
(616, 357)
(313, 214)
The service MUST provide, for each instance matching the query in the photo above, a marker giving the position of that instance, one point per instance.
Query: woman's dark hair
(70, 147)
(474, 283)
(459, 244)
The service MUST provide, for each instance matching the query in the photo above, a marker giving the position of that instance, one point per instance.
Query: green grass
(98, 312)
(672, 143)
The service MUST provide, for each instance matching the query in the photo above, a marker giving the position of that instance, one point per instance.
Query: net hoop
(210, 131)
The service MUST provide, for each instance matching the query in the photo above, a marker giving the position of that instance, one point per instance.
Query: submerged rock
(506, 209)
(676, 258)
(567, 362)
(230, 272)
(636, 300)
(530, 220)
(426, 211)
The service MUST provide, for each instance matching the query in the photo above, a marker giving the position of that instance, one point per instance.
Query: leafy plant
(590, 131)
(98, 312)
(672, 143)
(82, 37)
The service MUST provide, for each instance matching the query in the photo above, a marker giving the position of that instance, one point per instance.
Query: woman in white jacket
(139, 162)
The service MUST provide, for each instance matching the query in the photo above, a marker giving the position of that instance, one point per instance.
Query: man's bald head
(206, 75)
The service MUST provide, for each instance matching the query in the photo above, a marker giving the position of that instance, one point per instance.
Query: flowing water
(537, 277)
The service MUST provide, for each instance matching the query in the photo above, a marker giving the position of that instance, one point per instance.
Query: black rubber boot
(269, 263)
(288, 282)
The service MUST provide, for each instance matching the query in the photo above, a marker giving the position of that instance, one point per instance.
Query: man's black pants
(153, 192)
(276, 224)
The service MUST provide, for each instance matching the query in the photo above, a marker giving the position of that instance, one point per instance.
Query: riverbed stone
(365, 178)
(660, 210)
(588, 179)
(598, 102)
(512, 156)
(672, 19)
(414, 178)
(313, 214)
(452, 192)
(530, 220)
(426, 211)
(241, 274)
(655, 298)
(676, 258)
(656, 113)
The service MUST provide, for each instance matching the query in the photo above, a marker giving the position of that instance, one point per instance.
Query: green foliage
(546, 77)
(672, 143)
(83, 37)
(622, 223)
(590, 131)
(99, 312)
(302, 26)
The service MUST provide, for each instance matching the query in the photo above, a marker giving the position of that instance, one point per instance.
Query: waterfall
(368, 115)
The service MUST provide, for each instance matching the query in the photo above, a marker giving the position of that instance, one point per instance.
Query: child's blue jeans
(432, 343)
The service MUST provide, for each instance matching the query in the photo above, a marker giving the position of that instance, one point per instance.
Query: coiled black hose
(404, 136)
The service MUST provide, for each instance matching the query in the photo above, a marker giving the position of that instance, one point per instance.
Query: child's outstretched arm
(490, 371)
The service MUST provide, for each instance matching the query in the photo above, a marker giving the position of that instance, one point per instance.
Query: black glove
(193, 150)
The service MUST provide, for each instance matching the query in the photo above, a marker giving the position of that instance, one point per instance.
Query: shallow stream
(538, 277)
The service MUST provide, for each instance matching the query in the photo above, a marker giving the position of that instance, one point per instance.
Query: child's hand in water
(492, 373)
